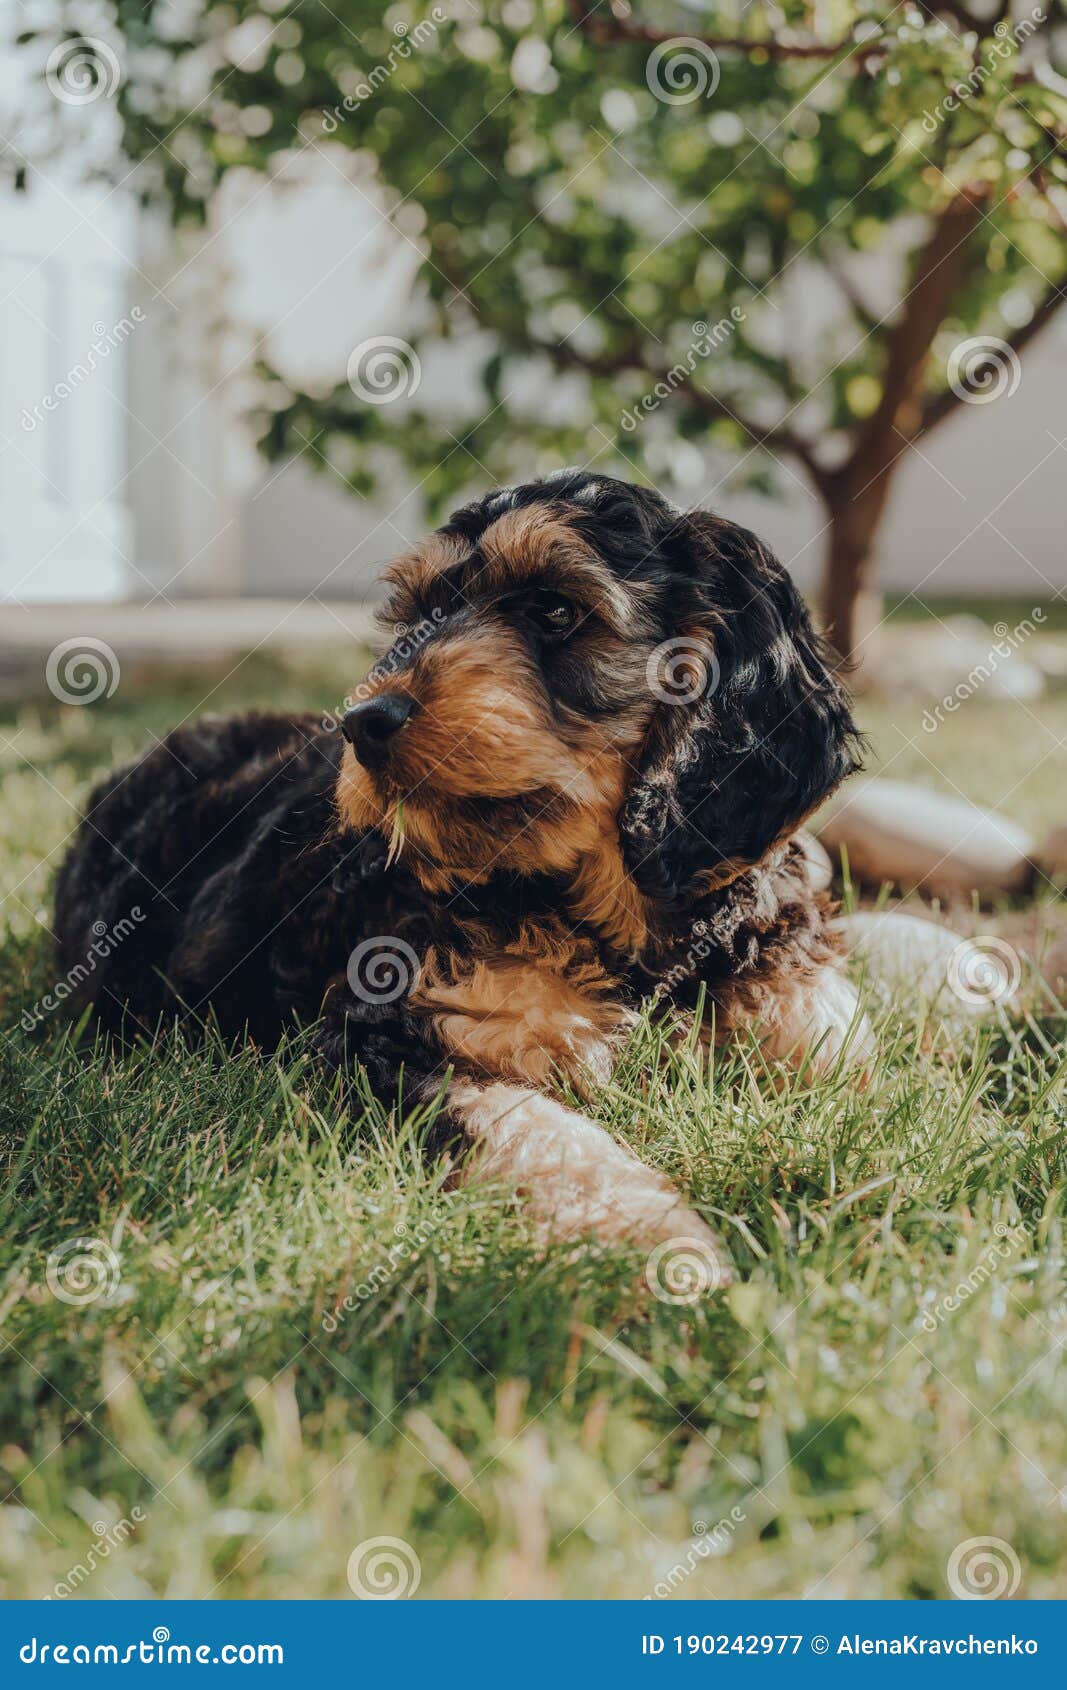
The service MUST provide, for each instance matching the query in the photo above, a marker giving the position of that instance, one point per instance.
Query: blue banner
(540, 1644)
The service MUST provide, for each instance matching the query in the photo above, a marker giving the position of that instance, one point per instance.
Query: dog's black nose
(370, 726)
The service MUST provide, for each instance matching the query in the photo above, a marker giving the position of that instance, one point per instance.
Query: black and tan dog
(572, 784)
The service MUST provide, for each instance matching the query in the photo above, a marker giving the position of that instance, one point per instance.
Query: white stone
(951, 661)
(913, 963)
(894, 831)
(1052, 854)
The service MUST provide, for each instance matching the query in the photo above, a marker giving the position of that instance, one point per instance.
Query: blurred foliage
(578, 207)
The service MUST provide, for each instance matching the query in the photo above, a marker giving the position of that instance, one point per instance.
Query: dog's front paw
(366, 859)
(818, 1024)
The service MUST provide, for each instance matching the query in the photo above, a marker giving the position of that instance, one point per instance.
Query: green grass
(1011, 608)
(1010, 757)
(529, 1425)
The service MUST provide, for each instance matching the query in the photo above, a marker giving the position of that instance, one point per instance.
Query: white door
(65, 325)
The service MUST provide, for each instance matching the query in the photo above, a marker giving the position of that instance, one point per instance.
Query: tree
(638, 208)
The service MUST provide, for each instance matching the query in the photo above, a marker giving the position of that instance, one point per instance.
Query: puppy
(572, 783)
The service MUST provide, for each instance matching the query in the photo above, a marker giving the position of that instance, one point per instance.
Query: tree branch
(773, 437)
(1052, 191)
(943, 404)
(612, 21)
(597, 25)
(939, 270)
(844, 282)
(1035, 59)
(962, 14)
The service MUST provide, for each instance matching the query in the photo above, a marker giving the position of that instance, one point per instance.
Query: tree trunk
(854, 520)
(855, 495)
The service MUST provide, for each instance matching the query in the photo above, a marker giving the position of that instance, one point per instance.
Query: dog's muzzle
(371, 726)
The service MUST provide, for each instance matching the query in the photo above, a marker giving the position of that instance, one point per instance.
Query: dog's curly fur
(547, 840)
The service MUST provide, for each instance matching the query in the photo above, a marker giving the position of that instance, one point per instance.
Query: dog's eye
(551, 613)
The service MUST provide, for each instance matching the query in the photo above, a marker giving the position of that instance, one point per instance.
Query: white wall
(65, 340)
(978, 508)
(146, 480)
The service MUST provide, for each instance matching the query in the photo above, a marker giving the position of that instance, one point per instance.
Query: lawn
(281, 1337)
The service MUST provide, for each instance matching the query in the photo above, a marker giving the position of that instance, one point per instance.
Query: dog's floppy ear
(756, 737)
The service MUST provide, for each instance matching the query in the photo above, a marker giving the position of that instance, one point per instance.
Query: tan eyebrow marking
(539, 539)
(417, 570)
